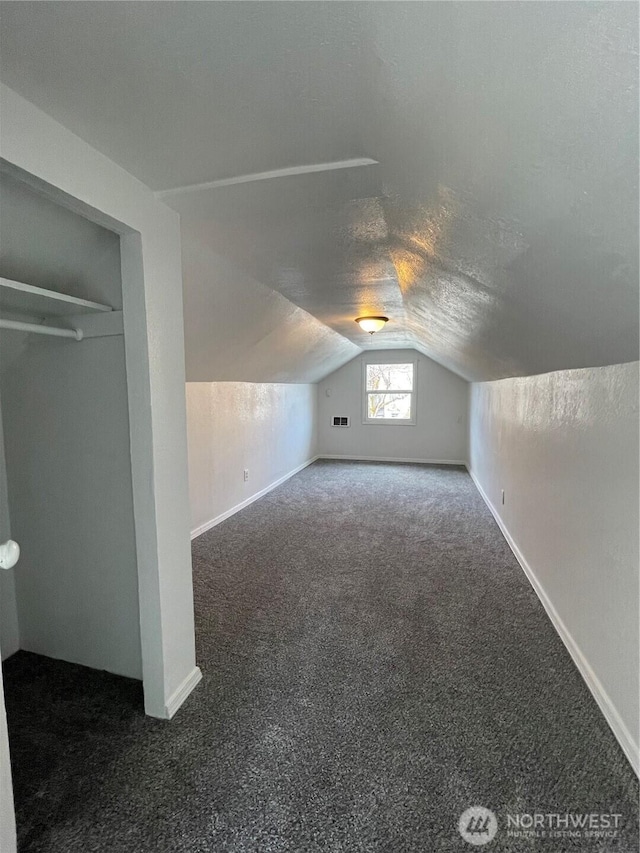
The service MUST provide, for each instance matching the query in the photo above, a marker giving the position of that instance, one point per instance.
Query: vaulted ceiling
(474, 170)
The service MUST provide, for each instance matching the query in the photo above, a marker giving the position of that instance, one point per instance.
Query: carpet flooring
(374, 663)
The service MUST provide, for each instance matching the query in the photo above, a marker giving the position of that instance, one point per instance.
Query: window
(389, 393)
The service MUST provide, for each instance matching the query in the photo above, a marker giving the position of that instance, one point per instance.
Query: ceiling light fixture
(371, 324)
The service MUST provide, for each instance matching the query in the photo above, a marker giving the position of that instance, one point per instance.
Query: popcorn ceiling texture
(374, 661)
(498, 230)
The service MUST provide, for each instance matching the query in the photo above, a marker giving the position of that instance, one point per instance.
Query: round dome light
(371, 324)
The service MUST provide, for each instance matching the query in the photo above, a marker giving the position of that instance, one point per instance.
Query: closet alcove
(65, 462)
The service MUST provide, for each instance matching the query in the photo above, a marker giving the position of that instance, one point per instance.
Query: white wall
(267, 428)
(440, 432)
(564, 447)
(7, 817)
(79, 177)
(47, 245)
(66, 430)
(9, 631)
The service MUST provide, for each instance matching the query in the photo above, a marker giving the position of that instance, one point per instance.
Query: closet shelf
(27, 299)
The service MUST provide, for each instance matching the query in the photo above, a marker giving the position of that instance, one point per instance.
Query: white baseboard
(611, 715)
(180, 693)
(392, 459)
(198, 531)
(202, 528)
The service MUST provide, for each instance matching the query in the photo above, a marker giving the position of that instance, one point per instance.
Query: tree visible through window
(389, 390)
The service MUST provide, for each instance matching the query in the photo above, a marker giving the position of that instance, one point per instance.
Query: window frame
(366, 420)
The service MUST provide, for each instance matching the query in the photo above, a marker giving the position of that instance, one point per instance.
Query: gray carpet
(374, 663)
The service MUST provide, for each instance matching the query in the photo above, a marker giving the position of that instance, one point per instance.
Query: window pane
(391, 406)
(390, 377)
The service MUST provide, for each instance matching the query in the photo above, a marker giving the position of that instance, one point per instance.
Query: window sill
(388, 422)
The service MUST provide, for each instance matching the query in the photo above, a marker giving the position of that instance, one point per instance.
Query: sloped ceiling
(497, 225)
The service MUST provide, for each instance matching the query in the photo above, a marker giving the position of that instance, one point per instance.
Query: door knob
(9, 554)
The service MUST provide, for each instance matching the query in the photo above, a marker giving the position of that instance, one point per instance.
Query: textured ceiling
(498, 230)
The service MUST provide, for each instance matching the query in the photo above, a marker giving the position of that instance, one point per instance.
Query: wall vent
(340, 421)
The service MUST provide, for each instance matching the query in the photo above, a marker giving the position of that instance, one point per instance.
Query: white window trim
(381, 359)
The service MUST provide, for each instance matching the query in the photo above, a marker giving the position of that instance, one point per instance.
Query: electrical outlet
(246, 474)
(502, 496)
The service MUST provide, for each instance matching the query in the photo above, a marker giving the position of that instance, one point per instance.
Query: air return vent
(340, 421)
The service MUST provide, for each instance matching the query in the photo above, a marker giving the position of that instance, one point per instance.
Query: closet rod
(41, 330)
